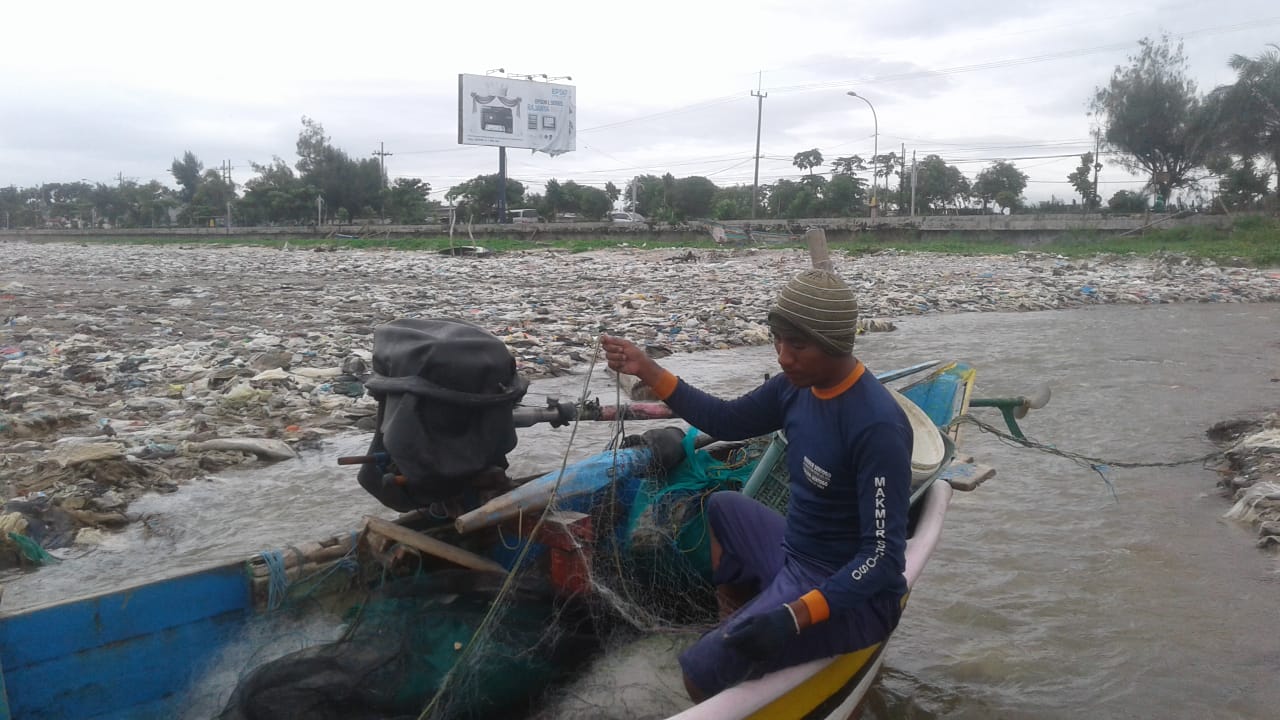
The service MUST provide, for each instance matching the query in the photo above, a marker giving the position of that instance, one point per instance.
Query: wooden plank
(430, 545)
(967, 476)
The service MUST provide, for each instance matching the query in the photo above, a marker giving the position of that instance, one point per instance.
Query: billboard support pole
(502, 184)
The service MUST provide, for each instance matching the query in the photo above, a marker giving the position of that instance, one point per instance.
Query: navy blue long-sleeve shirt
(849, 458)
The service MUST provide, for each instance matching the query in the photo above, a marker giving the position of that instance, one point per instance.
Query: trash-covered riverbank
(130, 369)
(1251, 477)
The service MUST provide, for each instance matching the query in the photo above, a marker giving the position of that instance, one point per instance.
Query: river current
(1053, 594)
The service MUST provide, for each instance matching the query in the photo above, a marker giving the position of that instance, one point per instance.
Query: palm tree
(1250, 108)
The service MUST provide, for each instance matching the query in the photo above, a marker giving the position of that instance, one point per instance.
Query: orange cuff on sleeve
(665, 385)
(817, 605)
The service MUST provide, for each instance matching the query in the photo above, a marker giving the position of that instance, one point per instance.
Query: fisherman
(826, 579)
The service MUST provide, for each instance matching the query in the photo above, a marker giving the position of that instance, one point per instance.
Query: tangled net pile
(451, 643)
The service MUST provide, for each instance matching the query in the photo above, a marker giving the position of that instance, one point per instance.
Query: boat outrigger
(486, 593)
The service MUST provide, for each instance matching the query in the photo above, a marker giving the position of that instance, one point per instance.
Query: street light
(875, 152)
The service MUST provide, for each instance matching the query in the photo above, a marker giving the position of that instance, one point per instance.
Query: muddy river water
(1053, 594)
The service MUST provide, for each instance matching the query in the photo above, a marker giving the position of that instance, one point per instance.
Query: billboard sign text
(514, 113)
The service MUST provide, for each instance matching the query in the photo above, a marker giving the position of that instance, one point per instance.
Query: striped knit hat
(819, 304)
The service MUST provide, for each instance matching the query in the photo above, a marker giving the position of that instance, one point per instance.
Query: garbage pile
(127, 369)
(1252, 476)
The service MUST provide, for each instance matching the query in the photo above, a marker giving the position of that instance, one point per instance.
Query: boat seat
(929, 451)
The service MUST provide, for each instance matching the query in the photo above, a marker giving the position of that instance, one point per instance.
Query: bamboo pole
(816, 239)
(431, 546)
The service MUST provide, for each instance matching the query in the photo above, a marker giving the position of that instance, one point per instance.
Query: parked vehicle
(626, 217)
(523, 215)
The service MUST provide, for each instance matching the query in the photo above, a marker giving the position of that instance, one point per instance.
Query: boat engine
(446, 391)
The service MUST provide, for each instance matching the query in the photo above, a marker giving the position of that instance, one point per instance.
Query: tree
(612, 191)
(1008, 200)
(186, 172)
(1249, 109)
(1125, 201)
(276, 195)
(731, 203)
(554, 201)
(477, 198)
(1150, 111)
(851, 165)
(692, 197)
(808, 160)
(884, 166)
(407, 202)
(353, 186)
(570, 197)
(844, 196)
(591, 203)
(1242, 185)
(939, 185)
(1000, 179)
(210, 200)
(1082, 180)
(649, 192)
(791, 199)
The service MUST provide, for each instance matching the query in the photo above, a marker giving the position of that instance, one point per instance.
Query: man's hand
(624, 357)
(763, 636)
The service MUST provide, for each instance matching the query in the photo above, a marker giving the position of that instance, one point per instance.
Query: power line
(1011, 62)
(936, 72)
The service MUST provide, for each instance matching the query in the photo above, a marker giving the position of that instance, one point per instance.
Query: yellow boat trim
(808, 695)
(968, 377)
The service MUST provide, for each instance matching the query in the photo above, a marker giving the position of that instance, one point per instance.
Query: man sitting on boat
(826, 579)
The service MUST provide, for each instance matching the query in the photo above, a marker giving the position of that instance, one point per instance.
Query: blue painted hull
(125, 654)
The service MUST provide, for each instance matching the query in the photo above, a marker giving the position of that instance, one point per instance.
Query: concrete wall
(1019, 229)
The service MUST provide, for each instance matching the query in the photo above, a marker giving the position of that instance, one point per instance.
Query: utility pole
(226, 175)
(913, 183)
(1097, 165)
(382, 154)
(382, 162)
(902, 176)
(755, 182)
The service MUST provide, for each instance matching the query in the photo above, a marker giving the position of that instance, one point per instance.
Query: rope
(278, 585)
(1089, 462)
(278, 579)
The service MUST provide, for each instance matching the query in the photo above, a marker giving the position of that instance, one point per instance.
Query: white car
(626, 217)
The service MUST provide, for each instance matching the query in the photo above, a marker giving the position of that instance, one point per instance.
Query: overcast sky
(97, 91)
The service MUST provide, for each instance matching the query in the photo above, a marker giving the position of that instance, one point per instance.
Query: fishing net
(453, 643)
(646, 592)
(608, 559)
(401, 644)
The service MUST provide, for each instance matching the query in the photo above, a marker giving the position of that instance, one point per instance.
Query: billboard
(506, 112)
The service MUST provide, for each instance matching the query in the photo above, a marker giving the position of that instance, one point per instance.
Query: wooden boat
(137, 652)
